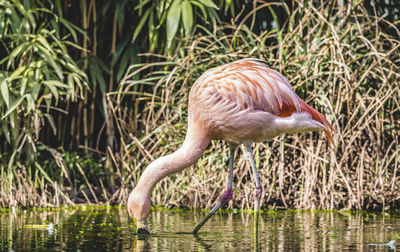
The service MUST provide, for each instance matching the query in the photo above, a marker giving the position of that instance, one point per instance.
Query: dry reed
(344, 63)
(341, 60)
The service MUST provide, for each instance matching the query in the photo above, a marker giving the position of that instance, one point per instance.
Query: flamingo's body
(240, 102)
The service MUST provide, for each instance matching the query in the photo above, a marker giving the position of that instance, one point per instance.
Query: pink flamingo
(241, 102)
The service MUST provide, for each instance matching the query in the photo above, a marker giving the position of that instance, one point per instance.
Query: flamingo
(241, 102)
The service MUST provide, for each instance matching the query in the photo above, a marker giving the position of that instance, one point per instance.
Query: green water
(110, 229)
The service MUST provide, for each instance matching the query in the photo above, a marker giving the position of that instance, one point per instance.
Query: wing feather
(249, 85)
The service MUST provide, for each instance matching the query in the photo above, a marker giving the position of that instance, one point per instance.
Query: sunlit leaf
(44, 42)
(17, 73)
(187, 16)
(49, 59)
(53, 89)
(30, 102)
(174, 16)
(13, 106)
(227, 4)
(16, 52)
(56, 83)
(34, 88)
(74, 68)
(32, 21)
(24, 81)
(202, 8)
(209, 3)
(4, 91)
(78, 82)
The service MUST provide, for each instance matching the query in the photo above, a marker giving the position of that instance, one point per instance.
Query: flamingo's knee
(257, 193)
(226, 197)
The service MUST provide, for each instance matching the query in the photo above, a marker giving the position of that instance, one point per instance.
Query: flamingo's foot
(226, 197)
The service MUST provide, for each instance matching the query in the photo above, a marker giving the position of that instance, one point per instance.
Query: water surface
(110, 229)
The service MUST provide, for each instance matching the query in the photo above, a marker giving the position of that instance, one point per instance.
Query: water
(110, 229)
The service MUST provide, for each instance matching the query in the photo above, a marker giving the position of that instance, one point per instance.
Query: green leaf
(58, 5)
(44, 173)
(49, 59)
(16, 73)
(13, 106)
(24, 81)
(6, 132)
(153, 33)
(13, 117)
(96, 73)
(34, 88)
(16, 52)
(118, 52)
(227, 4)
(174, 16)
(52, 88)
(120, 12)
(187, 17)
(72, 28)
(31, 102)
(44, 42)
(48, 104)
(201, 6)
(4, 91)
(50, 119)
(31, 19)
(209, 3)
(140, 25)
(141, 5)
(73, 68)
(56, 83)
(11, 161)
(78, 82)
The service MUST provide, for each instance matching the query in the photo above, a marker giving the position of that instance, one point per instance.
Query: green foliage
(169, 20)
(141, 58)
(35, 73)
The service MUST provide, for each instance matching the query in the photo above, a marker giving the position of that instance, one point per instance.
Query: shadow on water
(110, 229)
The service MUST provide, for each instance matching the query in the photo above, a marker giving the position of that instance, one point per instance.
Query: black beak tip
(142, 231)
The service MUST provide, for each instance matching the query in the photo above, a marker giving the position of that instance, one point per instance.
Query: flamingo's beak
(140, 227)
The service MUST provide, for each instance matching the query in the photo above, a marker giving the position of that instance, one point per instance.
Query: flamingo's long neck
(192, 148)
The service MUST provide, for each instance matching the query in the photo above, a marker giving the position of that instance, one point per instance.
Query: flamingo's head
(138, 209)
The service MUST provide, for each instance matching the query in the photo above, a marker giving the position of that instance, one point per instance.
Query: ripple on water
(109, 228)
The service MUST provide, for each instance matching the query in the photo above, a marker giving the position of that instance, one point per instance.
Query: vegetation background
(92, 91)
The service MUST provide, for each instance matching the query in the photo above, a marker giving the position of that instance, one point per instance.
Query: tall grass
(36, 72)
(340, 59)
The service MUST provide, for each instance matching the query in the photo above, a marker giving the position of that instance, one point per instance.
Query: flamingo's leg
(258, 190)
(225, 197)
